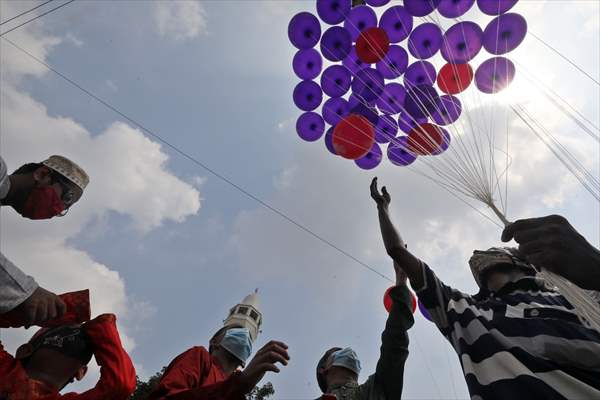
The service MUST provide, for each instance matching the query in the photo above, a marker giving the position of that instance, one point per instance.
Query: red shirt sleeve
(183, 373)
(229, 389)
(187, 378)
(117, 374)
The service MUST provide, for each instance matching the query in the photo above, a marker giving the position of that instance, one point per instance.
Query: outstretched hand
(264, 361)
(382, 199)
(552, 243)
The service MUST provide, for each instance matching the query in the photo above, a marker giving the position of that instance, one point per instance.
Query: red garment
(196, 375)
(117, 375)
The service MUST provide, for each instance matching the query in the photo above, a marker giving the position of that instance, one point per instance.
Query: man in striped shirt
(517, 338)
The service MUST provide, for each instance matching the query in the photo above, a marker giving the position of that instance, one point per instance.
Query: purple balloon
(335, 109)
(368, 84)
(421, 101)
(495, 7)
(447, 110)
(353, 63)
(336, 80)
(397, 23)
(310, 126)
(354, 100)
(359, 19)
(333, 11)
(494, 75)
(424, 311)
(307, 95)
(329, 141)
(445, 142)
(371, 159)
(377, 3)
(304, 30)
(391, 101)
(386, 129)
(454, 8)
(307, 64)
(367, 112)
(394, 63)
(425, 40)
(397, 153)
(504, 33)
(419, 73)
(336, 43)
(407, 122)
(462, 42)
(420, 8)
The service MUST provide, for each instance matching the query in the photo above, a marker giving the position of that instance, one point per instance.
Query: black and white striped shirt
(522, 342)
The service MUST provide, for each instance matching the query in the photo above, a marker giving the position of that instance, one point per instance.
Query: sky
(169, 247)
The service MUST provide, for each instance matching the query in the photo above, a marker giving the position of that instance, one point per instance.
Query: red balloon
(353, 137)
(454, 78)
(425, 139)
(372, 45)
(387, 300)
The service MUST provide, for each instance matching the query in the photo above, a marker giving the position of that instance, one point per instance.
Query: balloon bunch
(373, 89)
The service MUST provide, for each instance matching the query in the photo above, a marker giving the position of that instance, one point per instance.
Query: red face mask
(43, 203)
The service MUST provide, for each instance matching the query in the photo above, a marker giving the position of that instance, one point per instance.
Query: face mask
(43, 203)
(346, 358)
(238, 342)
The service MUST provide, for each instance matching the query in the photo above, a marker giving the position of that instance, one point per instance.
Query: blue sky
(170, 248)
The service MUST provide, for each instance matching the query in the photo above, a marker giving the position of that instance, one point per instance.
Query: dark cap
(68, 340)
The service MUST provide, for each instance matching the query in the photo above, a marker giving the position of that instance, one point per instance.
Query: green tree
(143, 389)
(261, 393)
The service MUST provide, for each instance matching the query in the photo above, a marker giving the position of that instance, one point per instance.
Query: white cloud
(180, 19)
(111, 85)
(71, 38)
(128, 174)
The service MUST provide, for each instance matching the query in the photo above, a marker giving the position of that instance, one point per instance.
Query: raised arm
(389, 375)
(117, 374)
(394, 245)
(240, 383)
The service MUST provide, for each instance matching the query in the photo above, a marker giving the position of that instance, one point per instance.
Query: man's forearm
(391, 237)
(396, 248)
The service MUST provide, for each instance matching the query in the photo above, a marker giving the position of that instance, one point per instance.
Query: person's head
(232, 345)
(495, 267)
(47, 189)
(56, 356)
(337, 366)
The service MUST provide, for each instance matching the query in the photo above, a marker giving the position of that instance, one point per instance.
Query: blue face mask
(238, 342)
(346, 358)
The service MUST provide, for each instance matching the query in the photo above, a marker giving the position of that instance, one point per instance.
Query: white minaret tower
(247, 314)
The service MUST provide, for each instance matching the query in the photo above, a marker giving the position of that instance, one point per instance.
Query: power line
(25, 12)
(564, 57)
(36, 17)
(201, 164)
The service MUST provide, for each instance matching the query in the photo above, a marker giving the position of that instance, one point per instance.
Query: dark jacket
(387, 381)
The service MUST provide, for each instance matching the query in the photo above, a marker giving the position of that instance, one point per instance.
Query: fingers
(386, 195)
(61, 307)
(274, 351)
(52, 310)
(531, 223)
(374, 192)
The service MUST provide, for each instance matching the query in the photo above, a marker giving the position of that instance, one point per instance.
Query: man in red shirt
(213, 374)
(55, 357)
